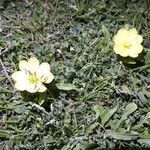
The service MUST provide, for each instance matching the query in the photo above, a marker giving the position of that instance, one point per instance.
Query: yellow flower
(32, 75)
(127, 42)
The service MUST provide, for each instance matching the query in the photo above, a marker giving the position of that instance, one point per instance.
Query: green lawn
(105, 99)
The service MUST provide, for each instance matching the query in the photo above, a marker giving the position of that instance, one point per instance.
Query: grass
(109, 109)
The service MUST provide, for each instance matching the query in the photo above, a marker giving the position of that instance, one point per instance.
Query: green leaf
(20, 109)
(130, 108)
(87, 146)
(112, 123)
(66, 86)
(145, 120)
(42, 98)
(147, 58)
(91, 127)
(108, 115)
(121, 136)
(144, 141)
(104, 113)
(99, 110)
(142, 98)
(5, 134)
(67, 119)
(11, 121)
(107, 39)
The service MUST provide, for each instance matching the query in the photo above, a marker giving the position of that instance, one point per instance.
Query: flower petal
(119, 49)
(42, 88)
(123, 31)
(19, 86)
(133, 54)
(134, 37)
(121, 36)
(33, 64)
(139, 48)
(49, 78)
(139, 39)
(33, 88)
(18, 76)
(23, 65)
(20, 79)
(135, 50)
(44, 73)
(133, 32)
(44, 68)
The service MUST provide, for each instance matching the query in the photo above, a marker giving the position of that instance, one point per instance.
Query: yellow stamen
(127, 45)
(33, 78)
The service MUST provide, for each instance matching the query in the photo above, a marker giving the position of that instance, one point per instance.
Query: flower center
(127, 45)
(33, 78)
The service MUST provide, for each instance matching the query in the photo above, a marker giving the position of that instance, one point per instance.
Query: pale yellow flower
(32, 75)
(127, 42)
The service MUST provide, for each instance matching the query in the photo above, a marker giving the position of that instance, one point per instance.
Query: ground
(104, 101)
